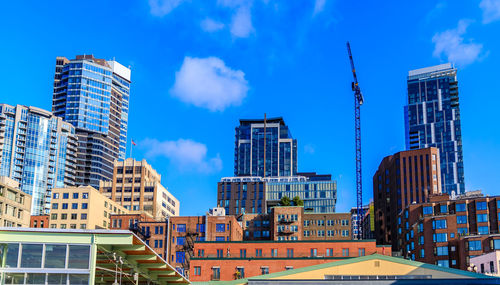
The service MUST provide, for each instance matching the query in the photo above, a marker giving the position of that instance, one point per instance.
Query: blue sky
(200, 65)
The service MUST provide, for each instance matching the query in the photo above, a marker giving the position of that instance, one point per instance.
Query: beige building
(15, 205)
(82, 207)
(137, 186)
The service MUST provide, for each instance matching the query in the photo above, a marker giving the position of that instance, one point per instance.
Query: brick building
(233, 260)
(449, 232)
(401, 179)
(137, 187)
(40, 221)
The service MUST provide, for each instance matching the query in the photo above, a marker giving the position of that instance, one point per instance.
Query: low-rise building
(82, 207)
(40, 221)
(449, 232)
(488, 263)
(226, 261)
(15, 205)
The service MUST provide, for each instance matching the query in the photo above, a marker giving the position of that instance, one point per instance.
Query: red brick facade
(254, 258)
(41, 221)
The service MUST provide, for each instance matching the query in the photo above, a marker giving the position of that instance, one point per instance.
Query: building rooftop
(261, 121)
(430, 71)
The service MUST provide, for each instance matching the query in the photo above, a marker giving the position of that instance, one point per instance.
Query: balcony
(286, 221)
(285, 232)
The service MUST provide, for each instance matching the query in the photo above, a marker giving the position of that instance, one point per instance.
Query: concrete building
(55, 256)
(226, 261)
(432, 119)
(402, 179)
(93, 94)
(488, 263)
(82, 207)
(265, 148)
(38, 150)
(257, 195)
(137, 187)
(364, 270)
(449, 232)
(15, 205)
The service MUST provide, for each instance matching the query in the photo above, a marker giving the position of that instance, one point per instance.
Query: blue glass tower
(272, 136)
(38, 150)
(93, 95)
(432, 119)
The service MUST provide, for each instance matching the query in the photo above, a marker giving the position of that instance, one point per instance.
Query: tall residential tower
(38, 150)
(432, 119)
(266, 140)
(93, 95)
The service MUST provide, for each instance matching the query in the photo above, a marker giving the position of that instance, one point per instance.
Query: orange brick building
(232, 260)
(41, 221)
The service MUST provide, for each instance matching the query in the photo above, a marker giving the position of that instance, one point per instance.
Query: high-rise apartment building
(38, 150)
(432, 119)
(137, 186)
(402, 179)
(240, 195)
(267, 140)
(93, 95)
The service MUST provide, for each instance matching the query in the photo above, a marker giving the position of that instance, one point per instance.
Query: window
(55, 196)
(421, 240)
(74, 206)
(180, 256)
(80, 256)
(442, 250)
(84, 217)
(274, 252)
(216, 273)
(439, 224)
(443, 263)
(258, 252)
(220, 253)
(55, 206)
(219, 238)
(241, 272)
(440, 237)
(443, 209)
(85, 195)
(65, 195)
(422, 253)
(483, 230)
(181, 240)
(461, 219)
(200, 228)
(314, 252)
(64, 216)
(427, 210)
(74, 216)
(181, 228)
(243, 253)
(482, 218)
(85, 206)
(220, 228)
(481, 205)
(75, 195)
(460, 207)
(361, 252)
(264, 270)
(329, 252)
(53, 216)
(345, 252)
(289, 252)
(474, 245)
(31, 256)
(197, 270)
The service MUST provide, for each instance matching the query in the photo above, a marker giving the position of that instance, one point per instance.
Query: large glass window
(483, 230)
(220, 228)
(427, 210)
(461, 219)
(11, 253)
(443, 263)
(442, 250)
(55, 256)
(56, 278)
(78, 279)
(181, 228)
(482, 218)
(474, 245)
(481, 205)
(439, 224)
(80, 255)
(35, 278)
(31, 256)
(460, 207)
(440, 237)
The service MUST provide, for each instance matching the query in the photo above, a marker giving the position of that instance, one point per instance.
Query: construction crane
(358, 101)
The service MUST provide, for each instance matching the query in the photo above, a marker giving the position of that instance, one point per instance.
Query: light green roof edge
(350, 261)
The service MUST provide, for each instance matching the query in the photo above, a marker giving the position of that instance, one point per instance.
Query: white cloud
(186, 154)
(241, 24)
(491, 10)
(209, 83)
(309, 148)
(161, 8)
(319, 6)
(210, 25)
(451, 43)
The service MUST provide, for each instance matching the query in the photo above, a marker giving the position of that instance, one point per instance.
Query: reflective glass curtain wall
(432, 119)
(38, 150)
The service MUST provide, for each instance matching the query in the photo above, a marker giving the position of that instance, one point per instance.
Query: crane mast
(358, 101)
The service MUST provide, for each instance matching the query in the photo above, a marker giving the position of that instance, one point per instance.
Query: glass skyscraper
(432, 119)
(272, 136)
(93, 95)
(38, 150)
